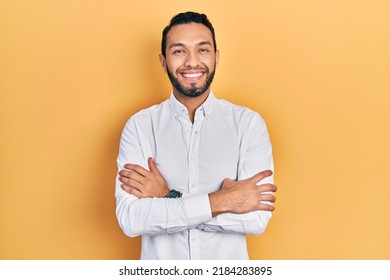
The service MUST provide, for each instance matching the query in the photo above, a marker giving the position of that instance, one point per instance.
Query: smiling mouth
(192, 77)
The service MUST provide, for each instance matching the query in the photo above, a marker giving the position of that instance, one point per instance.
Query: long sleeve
(194, 157)
(255, 156)
(153, 216)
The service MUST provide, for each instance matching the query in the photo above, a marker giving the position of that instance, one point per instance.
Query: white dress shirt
(225, 141)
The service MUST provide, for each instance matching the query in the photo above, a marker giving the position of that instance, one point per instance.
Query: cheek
(174, 63)
(172, 68)
(209, 62)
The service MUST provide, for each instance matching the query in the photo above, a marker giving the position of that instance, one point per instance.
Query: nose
(191, 60)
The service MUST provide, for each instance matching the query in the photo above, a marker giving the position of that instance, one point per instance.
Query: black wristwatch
(173, 194)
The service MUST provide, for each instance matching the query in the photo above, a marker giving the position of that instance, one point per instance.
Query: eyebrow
(183, 45)
(205, 43)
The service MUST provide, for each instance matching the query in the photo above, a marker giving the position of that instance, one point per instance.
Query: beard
(193, 91)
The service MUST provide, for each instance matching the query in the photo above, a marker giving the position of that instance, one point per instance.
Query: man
(190, 167)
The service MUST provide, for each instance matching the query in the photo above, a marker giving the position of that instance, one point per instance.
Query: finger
(132, 175)
(131, 183)
(125, 173)
(260, 176)
(267, 198)
(137, 177)
(267, 188)
(266, 207)
(132, 191)
(136, 168)
(152, 166)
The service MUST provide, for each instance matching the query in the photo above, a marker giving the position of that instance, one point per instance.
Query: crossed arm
(241, 206)
(236, 197)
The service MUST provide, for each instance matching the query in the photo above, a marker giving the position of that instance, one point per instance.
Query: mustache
(196, 68)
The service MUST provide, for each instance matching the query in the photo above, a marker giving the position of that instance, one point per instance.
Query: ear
(163, 62)
(216, 57)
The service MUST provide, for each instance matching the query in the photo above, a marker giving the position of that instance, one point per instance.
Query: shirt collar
(179, 109)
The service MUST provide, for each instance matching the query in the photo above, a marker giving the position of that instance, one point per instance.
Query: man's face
(190, 59)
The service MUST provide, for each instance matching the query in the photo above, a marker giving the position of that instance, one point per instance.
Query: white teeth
(192, 75)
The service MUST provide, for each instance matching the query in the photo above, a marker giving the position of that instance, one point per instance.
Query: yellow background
(72, 72)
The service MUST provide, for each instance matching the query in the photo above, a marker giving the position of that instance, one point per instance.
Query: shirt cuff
(197, 209)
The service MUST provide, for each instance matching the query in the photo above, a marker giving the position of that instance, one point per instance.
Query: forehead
(189, 33)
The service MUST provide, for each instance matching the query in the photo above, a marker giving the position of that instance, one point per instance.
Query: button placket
(193, 157)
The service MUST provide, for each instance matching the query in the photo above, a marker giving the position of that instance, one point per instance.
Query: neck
(191, 103)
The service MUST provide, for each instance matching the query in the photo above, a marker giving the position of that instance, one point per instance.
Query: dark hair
(183, 18)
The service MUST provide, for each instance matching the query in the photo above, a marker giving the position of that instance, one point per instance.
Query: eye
(178, 51)
(203, 50)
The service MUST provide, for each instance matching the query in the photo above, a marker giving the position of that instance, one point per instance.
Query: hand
(142, 183)
(243, 196)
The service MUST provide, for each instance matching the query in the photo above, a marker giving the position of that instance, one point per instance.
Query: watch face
(173, 194)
